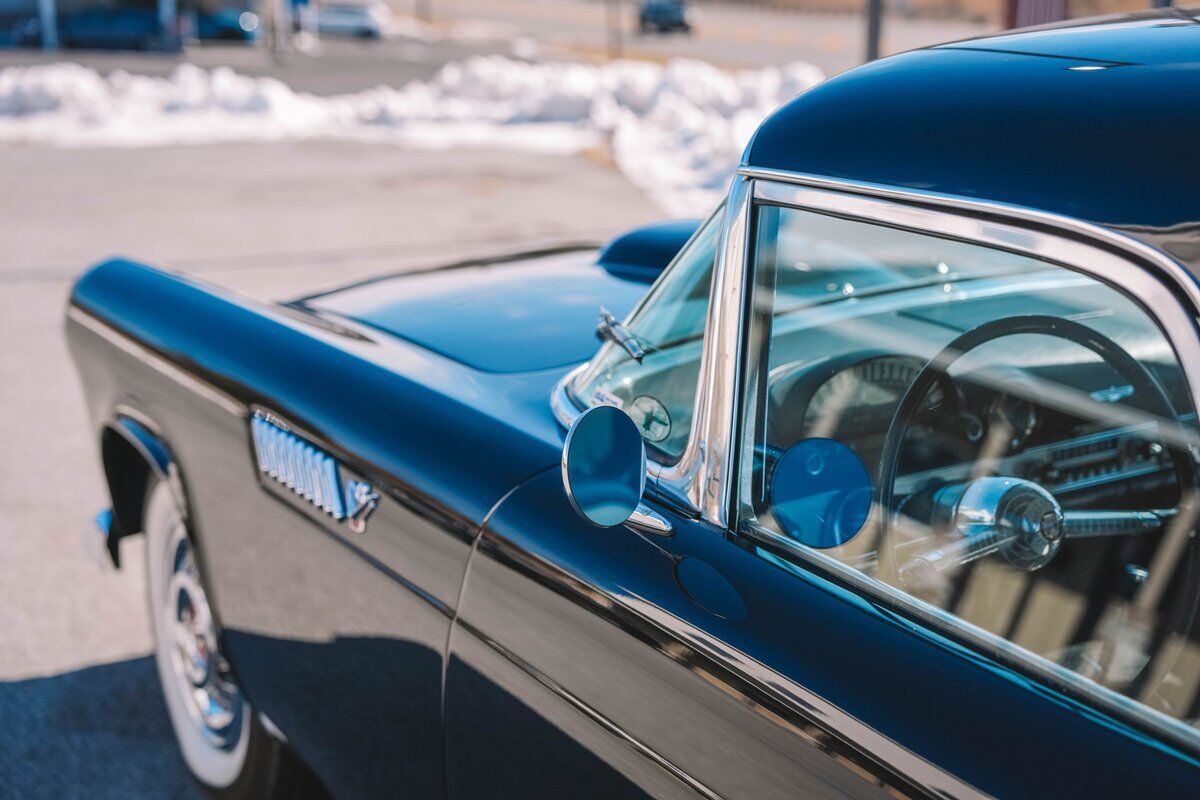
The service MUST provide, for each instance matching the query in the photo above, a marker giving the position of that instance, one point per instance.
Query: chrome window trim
(564, 408)
(704, 473)
(1077, 255)
(1018, 218)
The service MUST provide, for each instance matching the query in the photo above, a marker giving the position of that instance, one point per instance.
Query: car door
(591, 662)
(1011, 615)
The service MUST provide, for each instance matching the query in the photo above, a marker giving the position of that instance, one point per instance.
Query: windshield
(659, 391)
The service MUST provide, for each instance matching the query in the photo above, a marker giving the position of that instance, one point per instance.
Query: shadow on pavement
(98, 732)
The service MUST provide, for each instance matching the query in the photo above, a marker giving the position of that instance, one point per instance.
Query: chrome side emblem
(362, 500)
(307, 476)
(296, 464)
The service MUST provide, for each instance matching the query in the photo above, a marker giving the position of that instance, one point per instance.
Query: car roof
(1094, 119)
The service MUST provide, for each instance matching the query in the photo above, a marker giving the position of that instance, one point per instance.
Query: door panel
(816, 692)
(598, 616)
(521, 738)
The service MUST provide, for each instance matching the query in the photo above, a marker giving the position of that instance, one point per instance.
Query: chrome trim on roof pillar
(700, 481)
(702, 478)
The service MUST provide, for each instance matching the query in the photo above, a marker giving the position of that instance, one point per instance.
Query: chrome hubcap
(212, 699)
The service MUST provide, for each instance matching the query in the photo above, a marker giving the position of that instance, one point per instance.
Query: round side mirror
(604, 466)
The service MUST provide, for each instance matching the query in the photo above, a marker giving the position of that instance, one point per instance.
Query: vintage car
(886, 485)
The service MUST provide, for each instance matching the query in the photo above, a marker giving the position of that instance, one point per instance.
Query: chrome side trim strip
(1177, 732)
(806, 704)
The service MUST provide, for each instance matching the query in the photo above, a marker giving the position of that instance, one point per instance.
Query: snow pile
(676, 130)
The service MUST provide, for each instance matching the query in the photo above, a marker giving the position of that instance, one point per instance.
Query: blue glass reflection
(820, 493)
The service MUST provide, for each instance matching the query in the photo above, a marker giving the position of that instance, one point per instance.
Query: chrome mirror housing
(604, 466)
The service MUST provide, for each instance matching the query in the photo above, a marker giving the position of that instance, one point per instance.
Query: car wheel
(224, 745)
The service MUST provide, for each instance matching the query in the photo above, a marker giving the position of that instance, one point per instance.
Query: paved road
(79, 704)
(727, 35)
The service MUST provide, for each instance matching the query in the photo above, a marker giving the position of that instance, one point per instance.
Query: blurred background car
(665, 16)
(116, 29)
(227, 24)
(369, 20)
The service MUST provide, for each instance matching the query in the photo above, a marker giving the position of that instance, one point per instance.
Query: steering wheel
(1018, 519)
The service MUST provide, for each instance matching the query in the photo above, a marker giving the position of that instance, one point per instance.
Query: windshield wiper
(610, 328)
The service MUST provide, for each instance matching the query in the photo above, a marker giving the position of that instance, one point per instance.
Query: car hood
(521, 314)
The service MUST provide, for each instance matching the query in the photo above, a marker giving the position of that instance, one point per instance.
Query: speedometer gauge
(863, 397)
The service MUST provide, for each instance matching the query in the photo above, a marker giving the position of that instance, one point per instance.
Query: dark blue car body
(664, 16)
(482, 640)
(229, 24)
(116, 29)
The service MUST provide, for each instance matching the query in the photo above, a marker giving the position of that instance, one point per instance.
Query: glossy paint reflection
(809, 679)
(533, 314)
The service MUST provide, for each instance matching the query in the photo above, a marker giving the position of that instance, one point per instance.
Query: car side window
(659, 391)
(993, 435)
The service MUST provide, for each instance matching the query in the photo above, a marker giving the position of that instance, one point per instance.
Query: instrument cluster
(969, 419)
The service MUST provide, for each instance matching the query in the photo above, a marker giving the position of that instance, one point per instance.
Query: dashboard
(989, 419)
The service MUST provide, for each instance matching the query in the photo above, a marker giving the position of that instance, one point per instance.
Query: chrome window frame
(703, 481)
